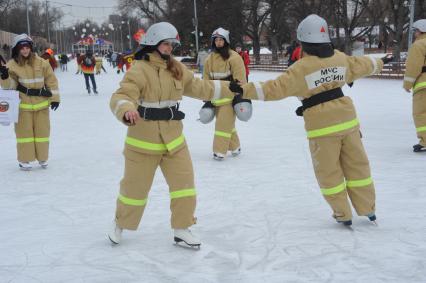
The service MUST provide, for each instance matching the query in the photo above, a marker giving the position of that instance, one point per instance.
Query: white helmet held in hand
(420, 25)
(222, 33)
(242, 107)
(159, 32)
(206, 115)
(313, 29)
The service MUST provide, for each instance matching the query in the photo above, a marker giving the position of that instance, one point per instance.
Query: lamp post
(196, 25)
(410, 31)
(130, 36)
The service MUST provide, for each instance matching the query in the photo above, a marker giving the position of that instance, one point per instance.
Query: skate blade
(374, 223)
(181, 243)
(112, 242)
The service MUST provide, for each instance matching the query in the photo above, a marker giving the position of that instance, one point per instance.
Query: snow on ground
(261, 216)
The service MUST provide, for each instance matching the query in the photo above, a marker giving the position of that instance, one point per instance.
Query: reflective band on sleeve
(25, 140)
(421, 129)
(374, 61)
(333, 129)
(259, 91)
(183, 193)
(131, 201)
(156, 146)
(222, 134)
(217, 86)
(175, 143)
(419, 86)
(31, 81)
(219, 76)
(119, 103)
(54, 91)
(409, 79)
(359, 183)
(41, 139)
(34, 106)
(334, 190)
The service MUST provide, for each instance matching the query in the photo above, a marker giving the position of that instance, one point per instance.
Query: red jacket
(297, 53)
(51, 59)
(246, 59)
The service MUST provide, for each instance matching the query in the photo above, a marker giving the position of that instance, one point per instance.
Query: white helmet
(206, 114)
(420, 25)
(159, 32)
(21, 38)
(222, 33)
(313, 29)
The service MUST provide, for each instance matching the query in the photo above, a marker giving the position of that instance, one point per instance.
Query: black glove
(4, 72)
(54, 105)
(350, 84)
(235, 87)
(118, 71)
(387, 59)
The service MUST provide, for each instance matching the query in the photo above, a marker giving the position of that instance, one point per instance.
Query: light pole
(28, 19)
(47, 21)
(121, 39)
(410, 31)
(196, 25)
(130, 36)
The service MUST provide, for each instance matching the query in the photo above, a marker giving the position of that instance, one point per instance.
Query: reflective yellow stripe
(223, 101)
(131, 201)
(25, 140)
(360, 183)
(333, 129)
(421, 129)
(41, 139)
(175, 143)
(146, 145)
(334, 190)
(222, 134)
(156, 146)
(183, 193)
(234, 130)
(34, 106)
(419, 85)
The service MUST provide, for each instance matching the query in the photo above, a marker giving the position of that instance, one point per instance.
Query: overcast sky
(92, 10)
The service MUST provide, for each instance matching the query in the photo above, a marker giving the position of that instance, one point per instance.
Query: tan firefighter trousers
(137, 181)
(342, 169)
(32, 135)
(225, 136)
(419, 115)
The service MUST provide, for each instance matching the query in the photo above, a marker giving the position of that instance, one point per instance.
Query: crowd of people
(147, 102)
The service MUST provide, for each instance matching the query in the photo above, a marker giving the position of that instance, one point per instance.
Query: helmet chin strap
(165, 57)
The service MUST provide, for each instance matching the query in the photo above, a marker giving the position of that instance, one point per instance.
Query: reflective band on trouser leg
(183, 193)
(220, 102)
(131, 201)
(223, 134)
(41, 139)
(234, 130)
(34, 106)
(333, 129)
(359, 183)
(25, 140)
(421, 129)
(419, 86)
(156, 146)
(334, 190)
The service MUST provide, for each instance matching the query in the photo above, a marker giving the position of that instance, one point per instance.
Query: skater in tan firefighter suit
(339, 159)
(415, 78)
(224, 64)
(99, 64)
(147, 102)
(33, 77)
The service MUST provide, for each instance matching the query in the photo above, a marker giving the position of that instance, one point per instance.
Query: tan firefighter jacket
(414, 76)
(312, 75)
(150, 84)
(33, 77)
(215, 68)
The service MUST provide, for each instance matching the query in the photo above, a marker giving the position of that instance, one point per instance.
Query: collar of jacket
(157, 61)
(422, 36)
